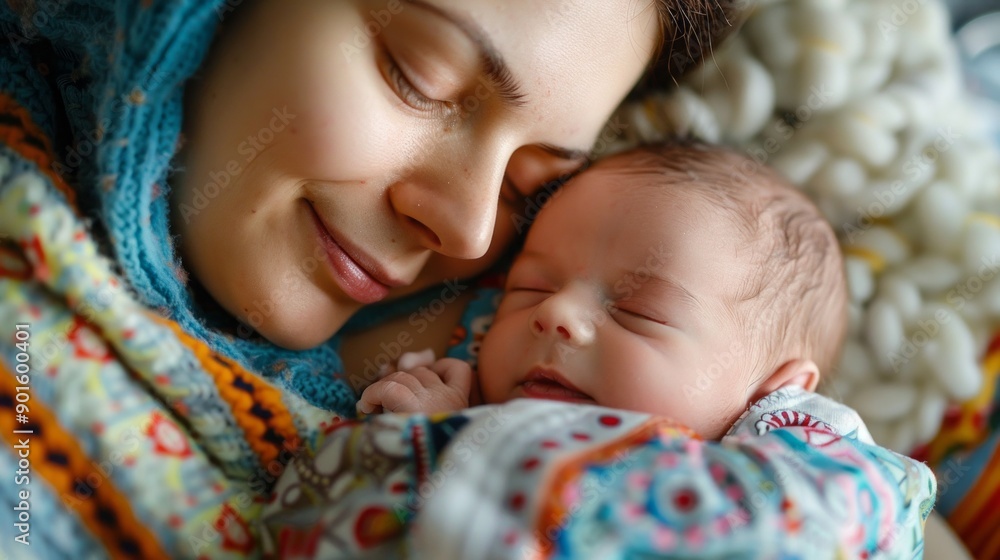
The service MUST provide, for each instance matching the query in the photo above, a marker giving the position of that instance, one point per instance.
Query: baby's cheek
(724, 412)
(494, 365)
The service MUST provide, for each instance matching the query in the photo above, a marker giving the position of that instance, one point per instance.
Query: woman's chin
(296, 331)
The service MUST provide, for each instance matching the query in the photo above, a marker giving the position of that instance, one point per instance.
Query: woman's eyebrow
(497, 69)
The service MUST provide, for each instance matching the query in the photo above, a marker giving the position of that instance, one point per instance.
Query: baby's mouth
(544, 383)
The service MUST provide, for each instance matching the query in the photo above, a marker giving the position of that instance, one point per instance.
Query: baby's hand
(442, 386)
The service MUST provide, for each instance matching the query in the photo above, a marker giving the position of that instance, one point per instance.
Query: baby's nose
(563, 319)
(538, 328)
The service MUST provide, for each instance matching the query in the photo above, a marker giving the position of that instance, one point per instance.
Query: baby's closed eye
(641, 318)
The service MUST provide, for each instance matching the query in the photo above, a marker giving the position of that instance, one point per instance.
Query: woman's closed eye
(411, 95)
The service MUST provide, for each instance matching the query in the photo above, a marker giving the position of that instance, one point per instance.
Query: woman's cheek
(344, 117)
(334, 143)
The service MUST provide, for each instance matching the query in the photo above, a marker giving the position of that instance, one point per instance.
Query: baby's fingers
(390, 395)
(454, 373)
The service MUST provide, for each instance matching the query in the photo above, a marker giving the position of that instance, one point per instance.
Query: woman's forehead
(571, 61)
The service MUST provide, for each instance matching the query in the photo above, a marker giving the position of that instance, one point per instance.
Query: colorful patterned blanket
(796, 477)
(136, 440)
(123, 435)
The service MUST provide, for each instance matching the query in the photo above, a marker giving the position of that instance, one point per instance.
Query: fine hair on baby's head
(793, 301)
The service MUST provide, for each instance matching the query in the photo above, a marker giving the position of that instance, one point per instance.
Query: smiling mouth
(545, 383)
(360, 276)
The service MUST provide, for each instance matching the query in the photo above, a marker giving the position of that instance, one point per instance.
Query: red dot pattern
(609, 420)
(686, 500)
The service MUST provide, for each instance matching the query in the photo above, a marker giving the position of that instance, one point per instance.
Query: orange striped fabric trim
(990, 546)
(982, 538)
(976, 517)
(992, 550)
(21, 134)
(56, 456)
(256, 405)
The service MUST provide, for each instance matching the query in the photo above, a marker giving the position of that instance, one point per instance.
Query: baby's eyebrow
(672, 286)
(530, 255)
(496, 67)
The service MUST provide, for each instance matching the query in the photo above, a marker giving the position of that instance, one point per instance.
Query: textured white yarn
(861, 104)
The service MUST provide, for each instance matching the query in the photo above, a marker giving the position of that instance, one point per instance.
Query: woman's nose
(451, 209)
(564, 317)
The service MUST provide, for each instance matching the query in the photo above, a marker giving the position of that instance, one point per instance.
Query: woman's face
(343, 152)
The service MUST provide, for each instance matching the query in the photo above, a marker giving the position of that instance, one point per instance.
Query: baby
(681, 280)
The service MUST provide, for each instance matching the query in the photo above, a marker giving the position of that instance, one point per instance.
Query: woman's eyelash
(409, 93)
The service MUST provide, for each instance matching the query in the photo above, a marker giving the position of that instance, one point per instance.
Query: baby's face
(344, 152)
(620, 299)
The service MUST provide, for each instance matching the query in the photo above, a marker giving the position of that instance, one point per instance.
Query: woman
(410, 134)
(334, 154)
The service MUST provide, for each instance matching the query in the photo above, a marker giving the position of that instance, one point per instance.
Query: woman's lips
(365, 283)
(542, 383)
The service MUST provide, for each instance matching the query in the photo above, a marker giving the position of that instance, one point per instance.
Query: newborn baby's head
(681, 280)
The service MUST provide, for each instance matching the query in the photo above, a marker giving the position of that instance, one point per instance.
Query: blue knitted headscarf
(129, 61)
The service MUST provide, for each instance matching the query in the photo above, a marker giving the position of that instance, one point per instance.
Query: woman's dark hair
(690, 29)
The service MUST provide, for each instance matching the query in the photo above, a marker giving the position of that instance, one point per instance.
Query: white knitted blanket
(861, 104)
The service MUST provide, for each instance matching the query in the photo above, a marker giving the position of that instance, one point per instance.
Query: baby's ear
(802, 373)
